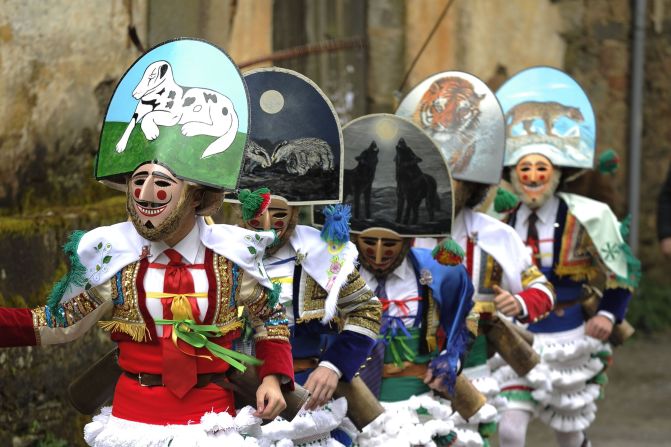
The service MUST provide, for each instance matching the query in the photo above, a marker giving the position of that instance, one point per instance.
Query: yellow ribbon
(283, 279)
(181, 310)
(180, 306)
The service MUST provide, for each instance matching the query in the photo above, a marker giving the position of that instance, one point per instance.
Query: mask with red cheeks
(279, 217)
(535, 180)
(155, 193)
(381, 250)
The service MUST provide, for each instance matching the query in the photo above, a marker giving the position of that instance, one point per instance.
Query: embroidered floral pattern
(255, 246)
(334, 268)
(103, 259)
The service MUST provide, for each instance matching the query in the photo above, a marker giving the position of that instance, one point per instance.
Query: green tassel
(505, 201)
(633, 264)
(276, 239)
(633, 268)
(448, 252)
(624, 226)
(253, 202)
(76, 275)
(608, 162)
(274, 295)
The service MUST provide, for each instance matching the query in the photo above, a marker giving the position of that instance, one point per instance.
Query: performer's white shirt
(401, 285)
(280, 267)
(193, 252)
(545, 225)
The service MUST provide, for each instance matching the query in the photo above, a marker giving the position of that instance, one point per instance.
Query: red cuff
(538, 303)
(16, 328)
(276, 356)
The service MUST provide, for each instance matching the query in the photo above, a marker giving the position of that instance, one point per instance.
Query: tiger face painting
(449, 112)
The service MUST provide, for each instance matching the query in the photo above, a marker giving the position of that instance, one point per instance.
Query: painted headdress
(548, 113)
(295, 146)
(464, 118)
(184, 105)
(395, 178)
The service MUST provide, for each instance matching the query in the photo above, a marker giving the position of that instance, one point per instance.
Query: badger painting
(255, 156)
(303, 155)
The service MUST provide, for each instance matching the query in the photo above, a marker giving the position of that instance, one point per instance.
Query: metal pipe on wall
(636, 118)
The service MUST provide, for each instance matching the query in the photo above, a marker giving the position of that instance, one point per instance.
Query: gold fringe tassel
(137, 331)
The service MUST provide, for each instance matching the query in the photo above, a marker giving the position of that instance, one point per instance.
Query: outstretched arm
(31, 327)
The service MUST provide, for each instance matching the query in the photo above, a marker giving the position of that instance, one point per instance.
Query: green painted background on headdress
(181, 154)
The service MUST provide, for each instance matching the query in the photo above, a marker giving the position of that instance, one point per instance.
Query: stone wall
(59, 61)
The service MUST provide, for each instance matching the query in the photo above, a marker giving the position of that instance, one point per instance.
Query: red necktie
(179, 362)
(532, 239)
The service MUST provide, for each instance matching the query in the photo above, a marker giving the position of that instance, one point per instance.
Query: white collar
(404, 271)
(187, 247)
(546, 213)
(283, 253)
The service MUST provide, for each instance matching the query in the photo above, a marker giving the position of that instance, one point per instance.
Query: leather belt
(301, 365)
(407, 370)
(146, 379)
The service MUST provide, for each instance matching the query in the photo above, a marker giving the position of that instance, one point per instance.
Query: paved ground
(635, 411)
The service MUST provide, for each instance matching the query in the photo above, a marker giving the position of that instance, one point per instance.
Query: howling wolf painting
(395, 177)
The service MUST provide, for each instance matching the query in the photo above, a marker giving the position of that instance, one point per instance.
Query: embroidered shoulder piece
(227, 275)
(311, 299)
(532, 275)
(127, 317)
(359, 307)
(489, 273)
(576, 259)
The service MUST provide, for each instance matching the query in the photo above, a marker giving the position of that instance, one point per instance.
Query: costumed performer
(576, 242)
(464, 117)
(399, 187)
(296, 149)
(170, 284)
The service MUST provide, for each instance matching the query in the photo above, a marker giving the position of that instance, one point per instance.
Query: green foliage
(28, 224)
(51, 440)
(650, 308)
(48, 439)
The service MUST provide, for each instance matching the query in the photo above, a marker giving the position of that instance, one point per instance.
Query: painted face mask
(535, 180)
(280, 216)
(157, 201)
(381, 250)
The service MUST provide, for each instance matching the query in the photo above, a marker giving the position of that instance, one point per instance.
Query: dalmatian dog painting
(200, 111)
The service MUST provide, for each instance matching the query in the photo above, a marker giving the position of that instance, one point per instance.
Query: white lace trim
(308, 427)
(401, 426)
(214, 429)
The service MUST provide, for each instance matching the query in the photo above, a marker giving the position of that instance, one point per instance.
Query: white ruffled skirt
(413, 422)
(214, 429)
(563, 394)
(468, 433)
(309, 428)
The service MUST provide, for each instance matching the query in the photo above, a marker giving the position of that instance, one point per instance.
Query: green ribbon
(398, 342)
(198, 335)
